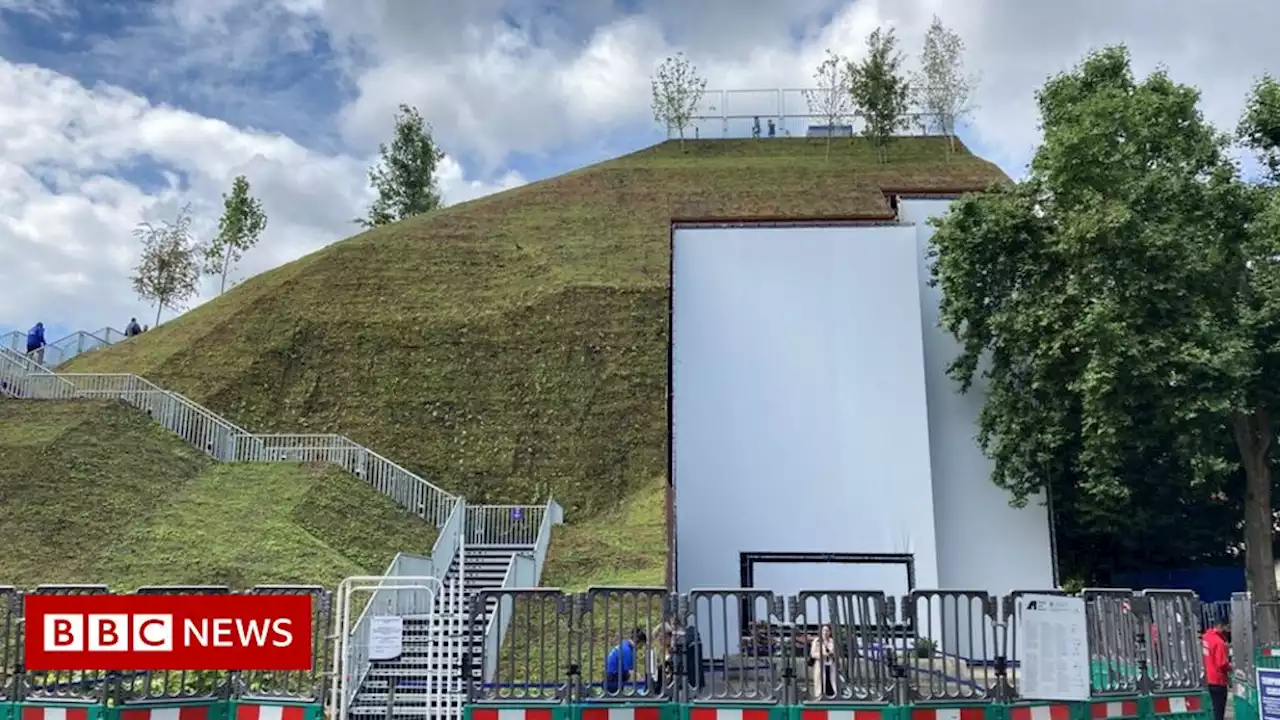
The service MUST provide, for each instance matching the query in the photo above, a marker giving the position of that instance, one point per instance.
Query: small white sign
(1052, 648)
(386, 637)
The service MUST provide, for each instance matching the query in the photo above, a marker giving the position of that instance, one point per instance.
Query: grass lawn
(97, 493)
(515, 346)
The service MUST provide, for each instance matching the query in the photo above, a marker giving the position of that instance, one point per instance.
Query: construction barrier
(160, 695)
(749, 654)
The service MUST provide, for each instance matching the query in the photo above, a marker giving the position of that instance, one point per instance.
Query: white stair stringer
(428, 674)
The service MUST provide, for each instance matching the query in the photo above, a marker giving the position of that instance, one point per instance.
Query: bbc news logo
(168, 632)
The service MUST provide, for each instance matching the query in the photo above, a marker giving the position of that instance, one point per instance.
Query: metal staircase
(426, 677)
(478, 548)
(64, 348)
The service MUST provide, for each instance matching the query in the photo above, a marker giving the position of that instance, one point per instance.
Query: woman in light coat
(822, 665)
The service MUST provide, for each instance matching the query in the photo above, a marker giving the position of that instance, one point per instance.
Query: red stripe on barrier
(823, 714)
(965, 713)
(480, 714)
(1175, 705)
(711, 713)
(1114, 709)
(185, 712)
(1040, 712)
(603, 713)
(53, 712)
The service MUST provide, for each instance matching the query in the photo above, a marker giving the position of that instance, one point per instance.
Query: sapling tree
(168, 272)
(239, 228)
(944, 90)
(880, 91)
(404, 177)
(831, 99)
(677, 91)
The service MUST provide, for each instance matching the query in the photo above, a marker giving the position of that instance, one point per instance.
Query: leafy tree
(405, 175)
(944, 90)
(239, 228)
(168, 273)
(1121, 305)
(880, 91)
(677, 90)
(831, 100)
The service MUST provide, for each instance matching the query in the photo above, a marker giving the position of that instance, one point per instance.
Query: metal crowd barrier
(111, 695)
(752, 647)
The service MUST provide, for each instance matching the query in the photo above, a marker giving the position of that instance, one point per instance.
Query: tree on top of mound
(405, 176)
(1122, 306)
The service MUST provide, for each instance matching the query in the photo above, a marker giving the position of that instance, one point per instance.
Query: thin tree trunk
(159, 308)
(831, 129)
(1253, 438)
(226, 265)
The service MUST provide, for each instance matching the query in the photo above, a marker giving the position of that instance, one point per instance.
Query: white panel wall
(799, 410)
(983, 543)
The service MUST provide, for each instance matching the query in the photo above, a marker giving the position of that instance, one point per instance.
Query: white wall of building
(983, 543)
(799, 409)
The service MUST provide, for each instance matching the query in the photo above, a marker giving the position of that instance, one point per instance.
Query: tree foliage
(404, 177)
(944, 91)
(1120, 307)
(880, 91)
(677, 91)
(168, 272)
(831, 99)
(239, 228)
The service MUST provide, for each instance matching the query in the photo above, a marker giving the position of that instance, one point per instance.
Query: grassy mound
(514, 345)
(96, 492)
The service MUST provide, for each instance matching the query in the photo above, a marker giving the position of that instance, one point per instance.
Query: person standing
(35, 343)
(1217, 666)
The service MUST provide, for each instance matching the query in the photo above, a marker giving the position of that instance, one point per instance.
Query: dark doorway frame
(748, 560)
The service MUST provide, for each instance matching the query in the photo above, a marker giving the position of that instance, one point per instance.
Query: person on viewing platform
(660, 655)
(1217, 666)
(621, 662)
(35, 343)
(133, 328)
(822, 659)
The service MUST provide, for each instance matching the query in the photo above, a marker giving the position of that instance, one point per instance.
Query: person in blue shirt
(35, 343)
(621, 662)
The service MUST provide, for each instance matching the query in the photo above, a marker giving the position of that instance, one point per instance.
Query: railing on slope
(504, 524)
(63, 349)
(525, 571)
(227, 442)
(400, 602)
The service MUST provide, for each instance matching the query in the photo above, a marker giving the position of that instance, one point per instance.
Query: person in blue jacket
(621, 662)
(35, 343)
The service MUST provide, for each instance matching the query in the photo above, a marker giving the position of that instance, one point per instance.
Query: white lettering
(280, 626)
(222, 632)
(251, 633)
(193, 634)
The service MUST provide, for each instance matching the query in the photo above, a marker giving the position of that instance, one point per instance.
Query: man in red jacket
(1217, 666)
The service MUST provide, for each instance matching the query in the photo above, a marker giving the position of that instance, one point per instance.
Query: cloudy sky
(118, 111)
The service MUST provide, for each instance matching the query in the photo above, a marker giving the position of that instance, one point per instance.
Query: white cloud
(67, 206)
(489, 89)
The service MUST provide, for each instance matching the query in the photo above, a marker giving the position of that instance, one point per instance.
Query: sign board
(1052, 648)
(1268, 694)
(386, 637)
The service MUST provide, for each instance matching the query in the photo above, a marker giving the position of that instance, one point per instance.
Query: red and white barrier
(820, 714)
(484, 713)
(55, 713)
(965, 713)
(1173, 705)
(621, 713)
(1040, 712)
(714, 713)
(177, 712)
(1114, 709)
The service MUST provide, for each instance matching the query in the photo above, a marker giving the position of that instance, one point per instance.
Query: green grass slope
(514, 345)
(96, 492)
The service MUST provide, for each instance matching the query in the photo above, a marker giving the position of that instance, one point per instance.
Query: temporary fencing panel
(160, 695)
(749, 654)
